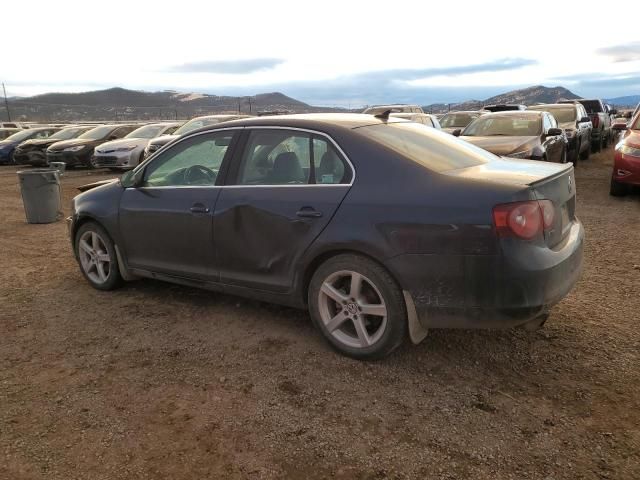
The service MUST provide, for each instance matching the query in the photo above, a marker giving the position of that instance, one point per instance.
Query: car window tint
(193, 162)
(329, 167)
(276, 157)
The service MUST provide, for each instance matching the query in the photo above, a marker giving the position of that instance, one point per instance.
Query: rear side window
(288, 157)
(431, 148)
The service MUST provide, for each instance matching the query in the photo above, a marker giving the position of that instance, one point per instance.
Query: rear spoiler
(89, 186)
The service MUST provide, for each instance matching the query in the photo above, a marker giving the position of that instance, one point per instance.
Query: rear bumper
(490, 291)
(626, 169)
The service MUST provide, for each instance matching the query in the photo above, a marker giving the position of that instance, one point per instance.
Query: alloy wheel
(352, 309)
(94, 257)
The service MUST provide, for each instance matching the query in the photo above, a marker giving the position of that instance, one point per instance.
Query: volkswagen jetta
(379, 226)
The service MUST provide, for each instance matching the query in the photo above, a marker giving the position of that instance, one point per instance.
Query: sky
(331, 53)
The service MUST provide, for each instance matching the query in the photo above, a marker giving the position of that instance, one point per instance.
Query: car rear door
(284, 187)
(166, 223)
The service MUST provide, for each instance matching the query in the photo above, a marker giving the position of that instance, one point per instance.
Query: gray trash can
(40, 190)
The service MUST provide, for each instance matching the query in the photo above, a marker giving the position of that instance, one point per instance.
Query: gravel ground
(161, 381)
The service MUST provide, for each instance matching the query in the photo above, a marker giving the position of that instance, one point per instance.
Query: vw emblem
(570, 184)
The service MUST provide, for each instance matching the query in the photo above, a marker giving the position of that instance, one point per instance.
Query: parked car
(626, 163)
(394, 108)
(156, 143)
(11, 125)
(521, 134)
(423, 118)
(503, 107)
(7, 132)
(601, 132)
(378, 226)
(128, 152)
(458, 120)
(575, 122)
(34, 151)
(79, 151)
(9, 144)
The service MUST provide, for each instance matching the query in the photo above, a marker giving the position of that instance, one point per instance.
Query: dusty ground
(159, 381)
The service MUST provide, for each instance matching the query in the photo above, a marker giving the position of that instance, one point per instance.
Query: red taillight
(595, 121)
(523, 220)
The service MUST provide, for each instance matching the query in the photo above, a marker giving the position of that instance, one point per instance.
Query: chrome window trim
(261, 127)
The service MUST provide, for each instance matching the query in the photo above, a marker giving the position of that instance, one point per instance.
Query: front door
(167, 223)
(286, 186)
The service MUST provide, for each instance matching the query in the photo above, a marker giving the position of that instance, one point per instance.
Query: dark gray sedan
(382, 228)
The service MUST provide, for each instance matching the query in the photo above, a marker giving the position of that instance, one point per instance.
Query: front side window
(193, 162)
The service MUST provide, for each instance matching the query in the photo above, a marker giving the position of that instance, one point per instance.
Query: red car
(626, 164)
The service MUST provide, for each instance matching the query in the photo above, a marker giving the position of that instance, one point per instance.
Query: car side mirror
(619, 126)
(585, 119)
(456, 132)
(554, 132)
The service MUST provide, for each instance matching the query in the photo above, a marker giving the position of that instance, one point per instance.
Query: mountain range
(123, 104)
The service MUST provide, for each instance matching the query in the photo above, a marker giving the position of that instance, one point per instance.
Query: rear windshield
(431, 148)
(592, 106)
(562, 114)
(459, 120)
(505, 125)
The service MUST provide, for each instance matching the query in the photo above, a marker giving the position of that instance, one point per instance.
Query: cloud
(249, 65)
(622, 53)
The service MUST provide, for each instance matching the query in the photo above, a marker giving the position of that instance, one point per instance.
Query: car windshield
(97, 133)
(460, 120)
(22, 135)
(67, 133)
(430, 148)
(197, 123)
(562, 115)
(148, 131)
(504, 125)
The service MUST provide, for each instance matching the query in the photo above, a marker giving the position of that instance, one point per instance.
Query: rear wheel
(617, 189)
(96, 256)
(358, 307)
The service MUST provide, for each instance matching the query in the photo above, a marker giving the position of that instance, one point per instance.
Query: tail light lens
(524, 220)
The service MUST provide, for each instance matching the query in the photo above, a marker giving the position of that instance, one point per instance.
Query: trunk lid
(547, 181)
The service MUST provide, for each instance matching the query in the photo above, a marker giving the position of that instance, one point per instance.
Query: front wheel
(96, 256)
(358, 307)
(617, 189)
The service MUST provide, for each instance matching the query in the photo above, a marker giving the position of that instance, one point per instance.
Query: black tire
(605, 142)
(395, 328)
(113, 278)
(575, 154)
(586, 154)
(617, 189)
(563, 157)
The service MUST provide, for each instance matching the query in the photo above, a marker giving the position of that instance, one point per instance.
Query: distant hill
(525, 96)
(123, 104)
(628, 101)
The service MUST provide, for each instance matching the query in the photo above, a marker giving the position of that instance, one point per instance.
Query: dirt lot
(160, 381)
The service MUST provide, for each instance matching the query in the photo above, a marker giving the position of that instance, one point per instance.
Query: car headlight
(627, 150)
(125, 149)
(523, 154)
(77, 148)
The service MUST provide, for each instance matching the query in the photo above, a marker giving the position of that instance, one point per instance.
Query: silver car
(127, 152)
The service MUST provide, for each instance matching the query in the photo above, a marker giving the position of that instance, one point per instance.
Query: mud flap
(417, 332)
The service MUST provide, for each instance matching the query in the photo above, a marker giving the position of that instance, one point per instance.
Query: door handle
(199, 208)
(308, 212)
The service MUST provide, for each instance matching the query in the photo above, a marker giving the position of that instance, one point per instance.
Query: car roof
(514, 113)
(552, 105)
(317, 121)
(464, 111)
